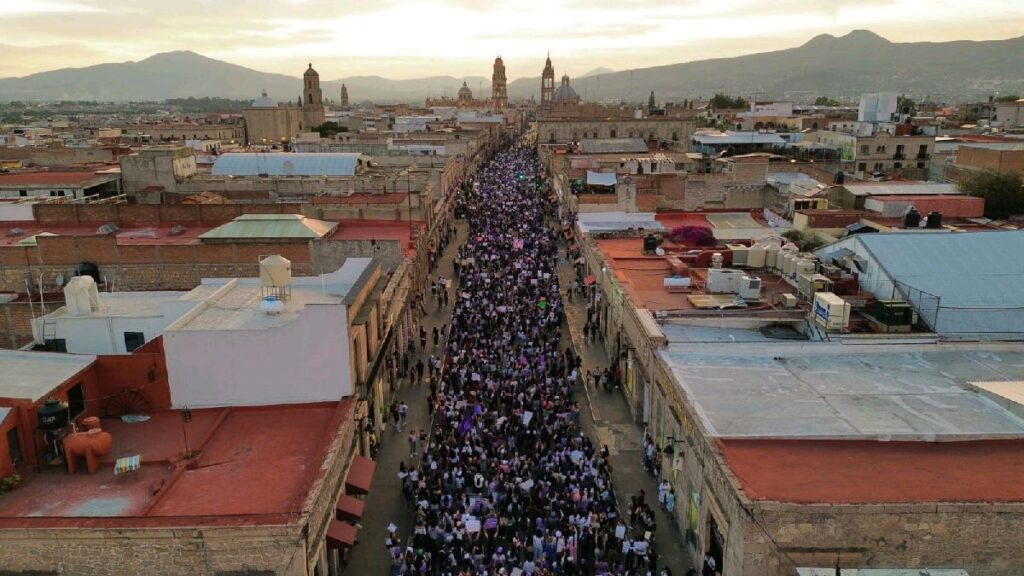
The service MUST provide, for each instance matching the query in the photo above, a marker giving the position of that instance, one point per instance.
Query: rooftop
(271, 226)
(33, 375)
(864, 472)
(286, 164)
(126, 235)
(732, 138)
(898, 188)
(613, 145)
(43, 178)
(234, 304)
(256, 466)
(976, 275)
(835, 391)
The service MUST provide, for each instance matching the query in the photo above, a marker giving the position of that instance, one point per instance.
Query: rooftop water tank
(275, 272)
(52, 415)
(717, 260)
(934, 220)
(912, 219)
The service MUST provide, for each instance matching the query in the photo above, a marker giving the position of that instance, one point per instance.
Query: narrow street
(606, 420)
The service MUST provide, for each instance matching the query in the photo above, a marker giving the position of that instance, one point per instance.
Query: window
(862, 167)
(22, 192)
(133, 340)
(13, 446)
(613, 133)
(920, 164)
(878, 166)
(863, 148)
(76, 399)
(898, 165)
(880, 149)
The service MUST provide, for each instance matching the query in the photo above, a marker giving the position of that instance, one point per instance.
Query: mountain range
(841, 67)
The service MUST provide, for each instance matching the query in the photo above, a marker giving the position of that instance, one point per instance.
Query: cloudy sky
(461, 37)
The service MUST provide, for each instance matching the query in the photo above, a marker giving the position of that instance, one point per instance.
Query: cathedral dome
(264, 102)
(310, 71)
(565, 93)
(465, 92)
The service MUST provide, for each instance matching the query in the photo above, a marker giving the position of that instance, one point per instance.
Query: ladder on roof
(49, 331)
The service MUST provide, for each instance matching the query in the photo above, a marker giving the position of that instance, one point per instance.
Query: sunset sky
(461, 37)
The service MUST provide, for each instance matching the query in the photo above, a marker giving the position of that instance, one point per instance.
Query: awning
(589, 280)
(601, 178)
(360, 475)
(341, 534)
(350, 508)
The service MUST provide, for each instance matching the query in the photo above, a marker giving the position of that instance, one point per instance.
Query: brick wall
(16, 321)
(129, 214)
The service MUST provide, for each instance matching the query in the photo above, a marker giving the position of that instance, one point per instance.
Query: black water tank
(934, 220)
(651, 243)
(52, 415)
(88, 269)
(912, 219)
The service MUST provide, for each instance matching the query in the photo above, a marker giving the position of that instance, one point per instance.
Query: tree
(805, 240)
(724, 101)
(1003, 193)
(1007, 98)
(330, 129)
(905, 105)
(826, 101)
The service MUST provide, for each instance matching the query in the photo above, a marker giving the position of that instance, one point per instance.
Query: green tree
(1003, 193)
(826, 101)
(906, 105)
(330, 129)
(1007, 98)
(723, 101)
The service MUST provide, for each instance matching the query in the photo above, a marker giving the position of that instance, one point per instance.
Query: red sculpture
(91, 444)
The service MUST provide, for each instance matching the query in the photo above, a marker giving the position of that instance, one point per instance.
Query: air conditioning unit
(789, 301)
(750, 288)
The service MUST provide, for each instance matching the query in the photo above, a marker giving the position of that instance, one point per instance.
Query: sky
(403, 40)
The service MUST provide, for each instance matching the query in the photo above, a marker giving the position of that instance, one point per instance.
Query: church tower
(547, 84)
(312, 100)
(344, 95)
(499, 95)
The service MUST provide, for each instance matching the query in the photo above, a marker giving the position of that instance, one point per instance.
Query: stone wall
(153, 551)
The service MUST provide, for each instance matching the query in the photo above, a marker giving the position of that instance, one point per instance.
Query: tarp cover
(600, 178)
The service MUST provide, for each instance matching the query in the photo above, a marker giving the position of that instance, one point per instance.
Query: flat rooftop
(837, 391)
(256, 466)
(33, 375)
(133, 305)
(234, 304)
(642, 276)
(866, 472)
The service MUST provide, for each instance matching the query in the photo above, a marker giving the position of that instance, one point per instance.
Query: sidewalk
(612, 424)
(385, 504)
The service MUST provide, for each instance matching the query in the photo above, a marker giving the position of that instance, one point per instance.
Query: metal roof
(590, 222)
(978, 276)
(286, 164)
(33, 375)
(729, 138)
(271, 226)
(612, 145)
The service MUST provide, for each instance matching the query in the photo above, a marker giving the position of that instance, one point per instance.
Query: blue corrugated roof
(979, 276)
(286, 164)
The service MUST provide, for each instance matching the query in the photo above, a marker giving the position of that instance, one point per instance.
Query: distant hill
(185, 73)
(597, 71)
(826, 65)
(843, 67)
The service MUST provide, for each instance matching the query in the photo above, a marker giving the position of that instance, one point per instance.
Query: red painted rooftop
(16, 178)
(378, 230)
(257, 465)
(866, 472)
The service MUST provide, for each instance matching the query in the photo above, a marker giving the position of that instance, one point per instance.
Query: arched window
(310, 98)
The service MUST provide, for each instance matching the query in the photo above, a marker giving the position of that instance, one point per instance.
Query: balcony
(899, 156)
(924, 156)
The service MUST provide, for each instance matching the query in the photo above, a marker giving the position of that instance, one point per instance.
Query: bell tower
(312, 99)
(547, 84)
(499, 95)
(344, 95)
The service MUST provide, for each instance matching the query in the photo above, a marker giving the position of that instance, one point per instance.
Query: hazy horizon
(403, 40)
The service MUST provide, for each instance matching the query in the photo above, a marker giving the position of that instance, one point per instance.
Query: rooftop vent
(107, 229)
(177, 230)
(15, 232)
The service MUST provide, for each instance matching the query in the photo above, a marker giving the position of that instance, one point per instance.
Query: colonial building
(267, 122)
